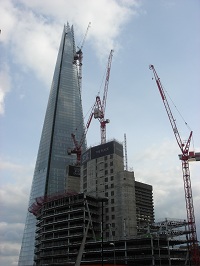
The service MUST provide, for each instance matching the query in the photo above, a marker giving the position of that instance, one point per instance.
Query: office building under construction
(103, 175)
(111, 221)
(70, 227)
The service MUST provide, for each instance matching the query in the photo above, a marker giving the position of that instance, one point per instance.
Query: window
(105, 158)
(112, 201)
(112, 185)
(106, 186)
(113, 216)
(106, 194)
(106, 179)
(111, 163)
(106, 172)
(111, 156)
(111, 171)
(106, 165)
(112, 178)
(112, 193)
(113, 209)
(107, 209)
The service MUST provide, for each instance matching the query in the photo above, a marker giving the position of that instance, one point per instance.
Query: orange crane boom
(184, 157)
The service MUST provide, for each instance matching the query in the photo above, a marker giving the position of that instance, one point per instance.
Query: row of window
(112, 209)
(111, 178)
(108, 217)
(112, 193)
(106, 164)
(108, 157)
(111, 171)
(112, 201)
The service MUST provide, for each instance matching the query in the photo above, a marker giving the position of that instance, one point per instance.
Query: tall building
(63, 117)
(144, 205)
(103, 176)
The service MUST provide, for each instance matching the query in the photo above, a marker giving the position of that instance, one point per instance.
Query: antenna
(125, 151)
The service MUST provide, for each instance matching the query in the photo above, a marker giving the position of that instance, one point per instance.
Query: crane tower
(78, 57)
(99, 111)
(185, 157)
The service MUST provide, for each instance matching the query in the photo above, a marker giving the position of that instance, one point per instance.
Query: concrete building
(144, 205)
(62, 222)
(61, 227)
(103, 175)
(73, 178)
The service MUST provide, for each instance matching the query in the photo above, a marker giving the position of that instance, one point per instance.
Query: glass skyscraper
(63, 116)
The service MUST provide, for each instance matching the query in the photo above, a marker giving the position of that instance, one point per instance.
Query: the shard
(63, 117)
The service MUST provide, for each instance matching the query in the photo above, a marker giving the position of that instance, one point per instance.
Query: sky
(164, 33)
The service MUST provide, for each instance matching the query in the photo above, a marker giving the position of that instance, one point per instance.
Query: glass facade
(63, 117)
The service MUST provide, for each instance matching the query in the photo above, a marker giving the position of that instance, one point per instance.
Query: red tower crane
(185, 158)
(99, 111)
(78, 145)
(78, 57)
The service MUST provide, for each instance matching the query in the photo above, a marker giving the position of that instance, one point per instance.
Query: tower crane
(185, 157)
(99, 111)
(78, 57)
(78, 145)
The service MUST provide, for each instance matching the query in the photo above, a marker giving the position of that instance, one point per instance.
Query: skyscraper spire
(63, 115)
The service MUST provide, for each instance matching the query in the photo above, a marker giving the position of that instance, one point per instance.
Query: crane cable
(102, 81)
(180, 115)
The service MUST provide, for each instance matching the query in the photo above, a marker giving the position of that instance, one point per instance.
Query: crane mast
(78, 58)
(99, 112)
(185, 156)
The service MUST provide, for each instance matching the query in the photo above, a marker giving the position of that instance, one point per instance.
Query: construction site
(104, 216)
(69, 230)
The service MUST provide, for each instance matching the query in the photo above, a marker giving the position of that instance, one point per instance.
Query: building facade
(61, 226)
(144, 205)
(62, 223)
(103, 175)
(63, 117)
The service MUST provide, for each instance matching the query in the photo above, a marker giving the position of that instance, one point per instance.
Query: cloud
(30, 38)
(32, 29)
(11, 232)
(164, 173)
(9, 253)
(5, 85)
(14, 192)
